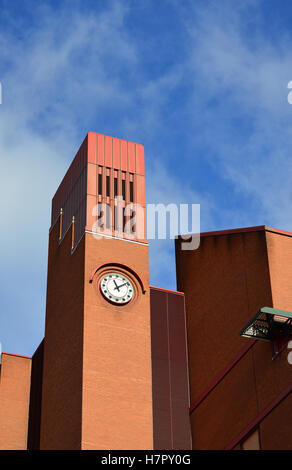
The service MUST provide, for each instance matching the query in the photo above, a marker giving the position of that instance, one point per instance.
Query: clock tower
(97, 379)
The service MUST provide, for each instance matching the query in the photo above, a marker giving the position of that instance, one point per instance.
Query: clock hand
(117, 287)
(120, 285)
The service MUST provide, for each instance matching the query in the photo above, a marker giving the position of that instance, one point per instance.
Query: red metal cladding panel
(72, 174)
(91, 143)
(179, 372)
(91, 178)
(162, 428)
(124, 155)
(140, 166)
(69, 180)
(108, 151)
(170, 371)
(78, 166)
(116, 153)
(83, 183)
(131, 157)
(90, 213)
(74, 170)
(83, 157)
(54, 210)
(79, 222)
(140, 190)
(177, 328)
(100, 149)
(66, 218)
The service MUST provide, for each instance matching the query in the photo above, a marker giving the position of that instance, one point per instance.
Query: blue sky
(201, 84)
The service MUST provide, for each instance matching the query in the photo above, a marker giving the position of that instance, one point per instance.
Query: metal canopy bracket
(267, 324)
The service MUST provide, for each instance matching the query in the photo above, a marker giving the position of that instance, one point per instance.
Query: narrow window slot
(100, 184)
(124, 189)
(115, 187)
(108, 186)
(131, 191)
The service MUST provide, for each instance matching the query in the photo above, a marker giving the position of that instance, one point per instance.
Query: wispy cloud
(240, 104)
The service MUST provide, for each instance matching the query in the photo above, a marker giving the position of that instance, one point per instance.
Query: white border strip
(115, 238)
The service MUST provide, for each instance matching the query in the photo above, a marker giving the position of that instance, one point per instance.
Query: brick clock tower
(97, 378)
(111, 372)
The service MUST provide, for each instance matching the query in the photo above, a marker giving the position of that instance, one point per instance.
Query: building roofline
(167, 290)
(280, 232)
(16, 355)
(257, 228)
(113, 137)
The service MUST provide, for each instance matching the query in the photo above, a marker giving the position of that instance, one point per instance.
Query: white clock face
(116, 288)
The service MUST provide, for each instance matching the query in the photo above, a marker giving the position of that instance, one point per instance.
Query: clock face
(116, 288)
